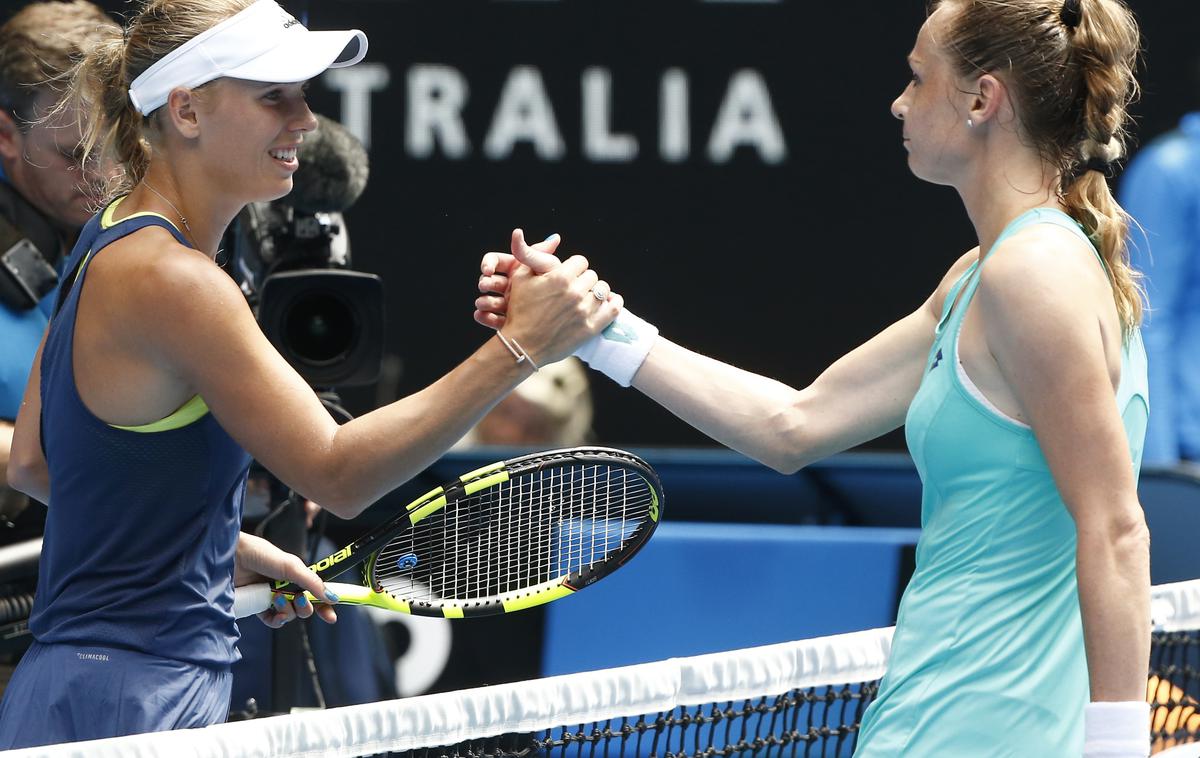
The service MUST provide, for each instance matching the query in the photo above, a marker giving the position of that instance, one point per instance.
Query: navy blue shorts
(68, 692)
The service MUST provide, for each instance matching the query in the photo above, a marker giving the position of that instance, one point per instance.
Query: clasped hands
(551, 306)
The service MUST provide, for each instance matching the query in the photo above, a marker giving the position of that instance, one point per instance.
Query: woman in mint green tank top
(1021, 382)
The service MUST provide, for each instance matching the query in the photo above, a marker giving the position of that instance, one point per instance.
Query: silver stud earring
(970, 123)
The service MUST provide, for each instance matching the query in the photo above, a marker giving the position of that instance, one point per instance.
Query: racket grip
(251, 599)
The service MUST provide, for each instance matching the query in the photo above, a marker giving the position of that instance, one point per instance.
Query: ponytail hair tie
(1072, 13)
(1098, 164)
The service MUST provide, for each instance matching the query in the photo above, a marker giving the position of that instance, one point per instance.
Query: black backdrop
(779, 267)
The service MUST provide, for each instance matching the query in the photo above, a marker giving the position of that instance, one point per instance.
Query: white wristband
(1116, 730)
(620, 349)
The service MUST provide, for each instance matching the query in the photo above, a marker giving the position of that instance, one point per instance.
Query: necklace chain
(168, 202)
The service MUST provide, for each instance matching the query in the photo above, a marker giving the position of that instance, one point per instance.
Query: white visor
(263, 43)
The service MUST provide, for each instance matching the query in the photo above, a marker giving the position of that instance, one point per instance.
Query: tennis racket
(509, 536)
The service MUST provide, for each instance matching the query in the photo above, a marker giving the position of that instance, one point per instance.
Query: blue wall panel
(701, 587)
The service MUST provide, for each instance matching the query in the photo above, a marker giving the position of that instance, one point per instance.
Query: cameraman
(45, 195)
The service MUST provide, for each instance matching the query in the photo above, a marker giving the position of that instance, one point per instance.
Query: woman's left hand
(491, 307)
(554, 306)
(258, 561)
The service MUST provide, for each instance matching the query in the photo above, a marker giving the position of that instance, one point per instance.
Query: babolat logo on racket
(330, 560)
(324, 563)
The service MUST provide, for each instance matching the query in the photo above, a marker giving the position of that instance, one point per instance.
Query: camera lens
(319, 328)
(327, 323)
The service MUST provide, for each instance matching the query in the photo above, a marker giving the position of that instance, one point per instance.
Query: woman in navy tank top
(155, 386)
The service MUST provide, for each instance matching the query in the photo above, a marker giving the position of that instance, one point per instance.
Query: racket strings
(538, 526)
(531, 548)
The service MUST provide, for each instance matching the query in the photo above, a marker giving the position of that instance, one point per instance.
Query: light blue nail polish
(280, 602)
(552, 236)
(301, 600)
(331, 596)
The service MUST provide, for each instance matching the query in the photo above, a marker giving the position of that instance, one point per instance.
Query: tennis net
(795, 699)
(1173, 689)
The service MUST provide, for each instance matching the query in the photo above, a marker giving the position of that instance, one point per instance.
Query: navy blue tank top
(143, 522)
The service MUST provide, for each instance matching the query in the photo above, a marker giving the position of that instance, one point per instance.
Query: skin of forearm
(1113, 569)
(381, 450)
(752, 414)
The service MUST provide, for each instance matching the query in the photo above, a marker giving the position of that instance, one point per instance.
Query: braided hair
(1070, 67)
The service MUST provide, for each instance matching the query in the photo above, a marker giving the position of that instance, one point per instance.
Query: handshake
(549, 309)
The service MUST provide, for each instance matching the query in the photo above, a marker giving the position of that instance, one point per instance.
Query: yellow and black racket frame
(363, 551)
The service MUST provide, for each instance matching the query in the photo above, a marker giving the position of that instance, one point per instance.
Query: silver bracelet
(517, 351)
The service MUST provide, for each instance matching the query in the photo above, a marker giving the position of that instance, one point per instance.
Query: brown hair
(100, 83)
(1070, 68)
(39, 46)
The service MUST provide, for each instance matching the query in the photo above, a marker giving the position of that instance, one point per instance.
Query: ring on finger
(600, 293)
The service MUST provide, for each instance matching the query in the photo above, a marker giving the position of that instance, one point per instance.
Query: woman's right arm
(185, 315)
(863, 395)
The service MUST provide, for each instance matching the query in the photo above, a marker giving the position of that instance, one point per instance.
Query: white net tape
(1176, 607)
(536, 705)
(521, 707)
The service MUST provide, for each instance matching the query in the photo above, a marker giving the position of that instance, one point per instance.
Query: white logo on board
(524, 114)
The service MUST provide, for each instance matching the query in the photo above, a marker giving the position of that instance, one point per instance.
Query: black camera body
(326, 319)
(25, 275)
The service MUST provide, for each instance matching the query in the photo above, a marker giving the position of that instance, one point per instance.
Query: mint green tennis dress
(988, 656)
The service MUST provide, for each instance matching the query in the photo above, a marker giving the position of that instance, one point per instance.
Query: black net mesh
(1174, 689)
(818, 721)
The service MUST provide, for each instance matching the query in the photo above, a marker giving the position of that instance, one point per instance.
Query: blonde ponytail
(114, 130)
(112, 126)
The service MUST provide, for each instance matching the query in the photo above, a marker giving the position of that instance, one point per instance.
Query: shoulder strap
(952, 296)
(1060, 219)
(970, 280)
(83, 254)
(136, 222)
(9, 233)
(1047, 216)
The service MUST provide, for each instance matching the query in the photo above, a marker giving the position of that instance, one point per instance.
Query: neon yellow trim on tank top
(191, 411)
(188, 413)
(107, 220)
